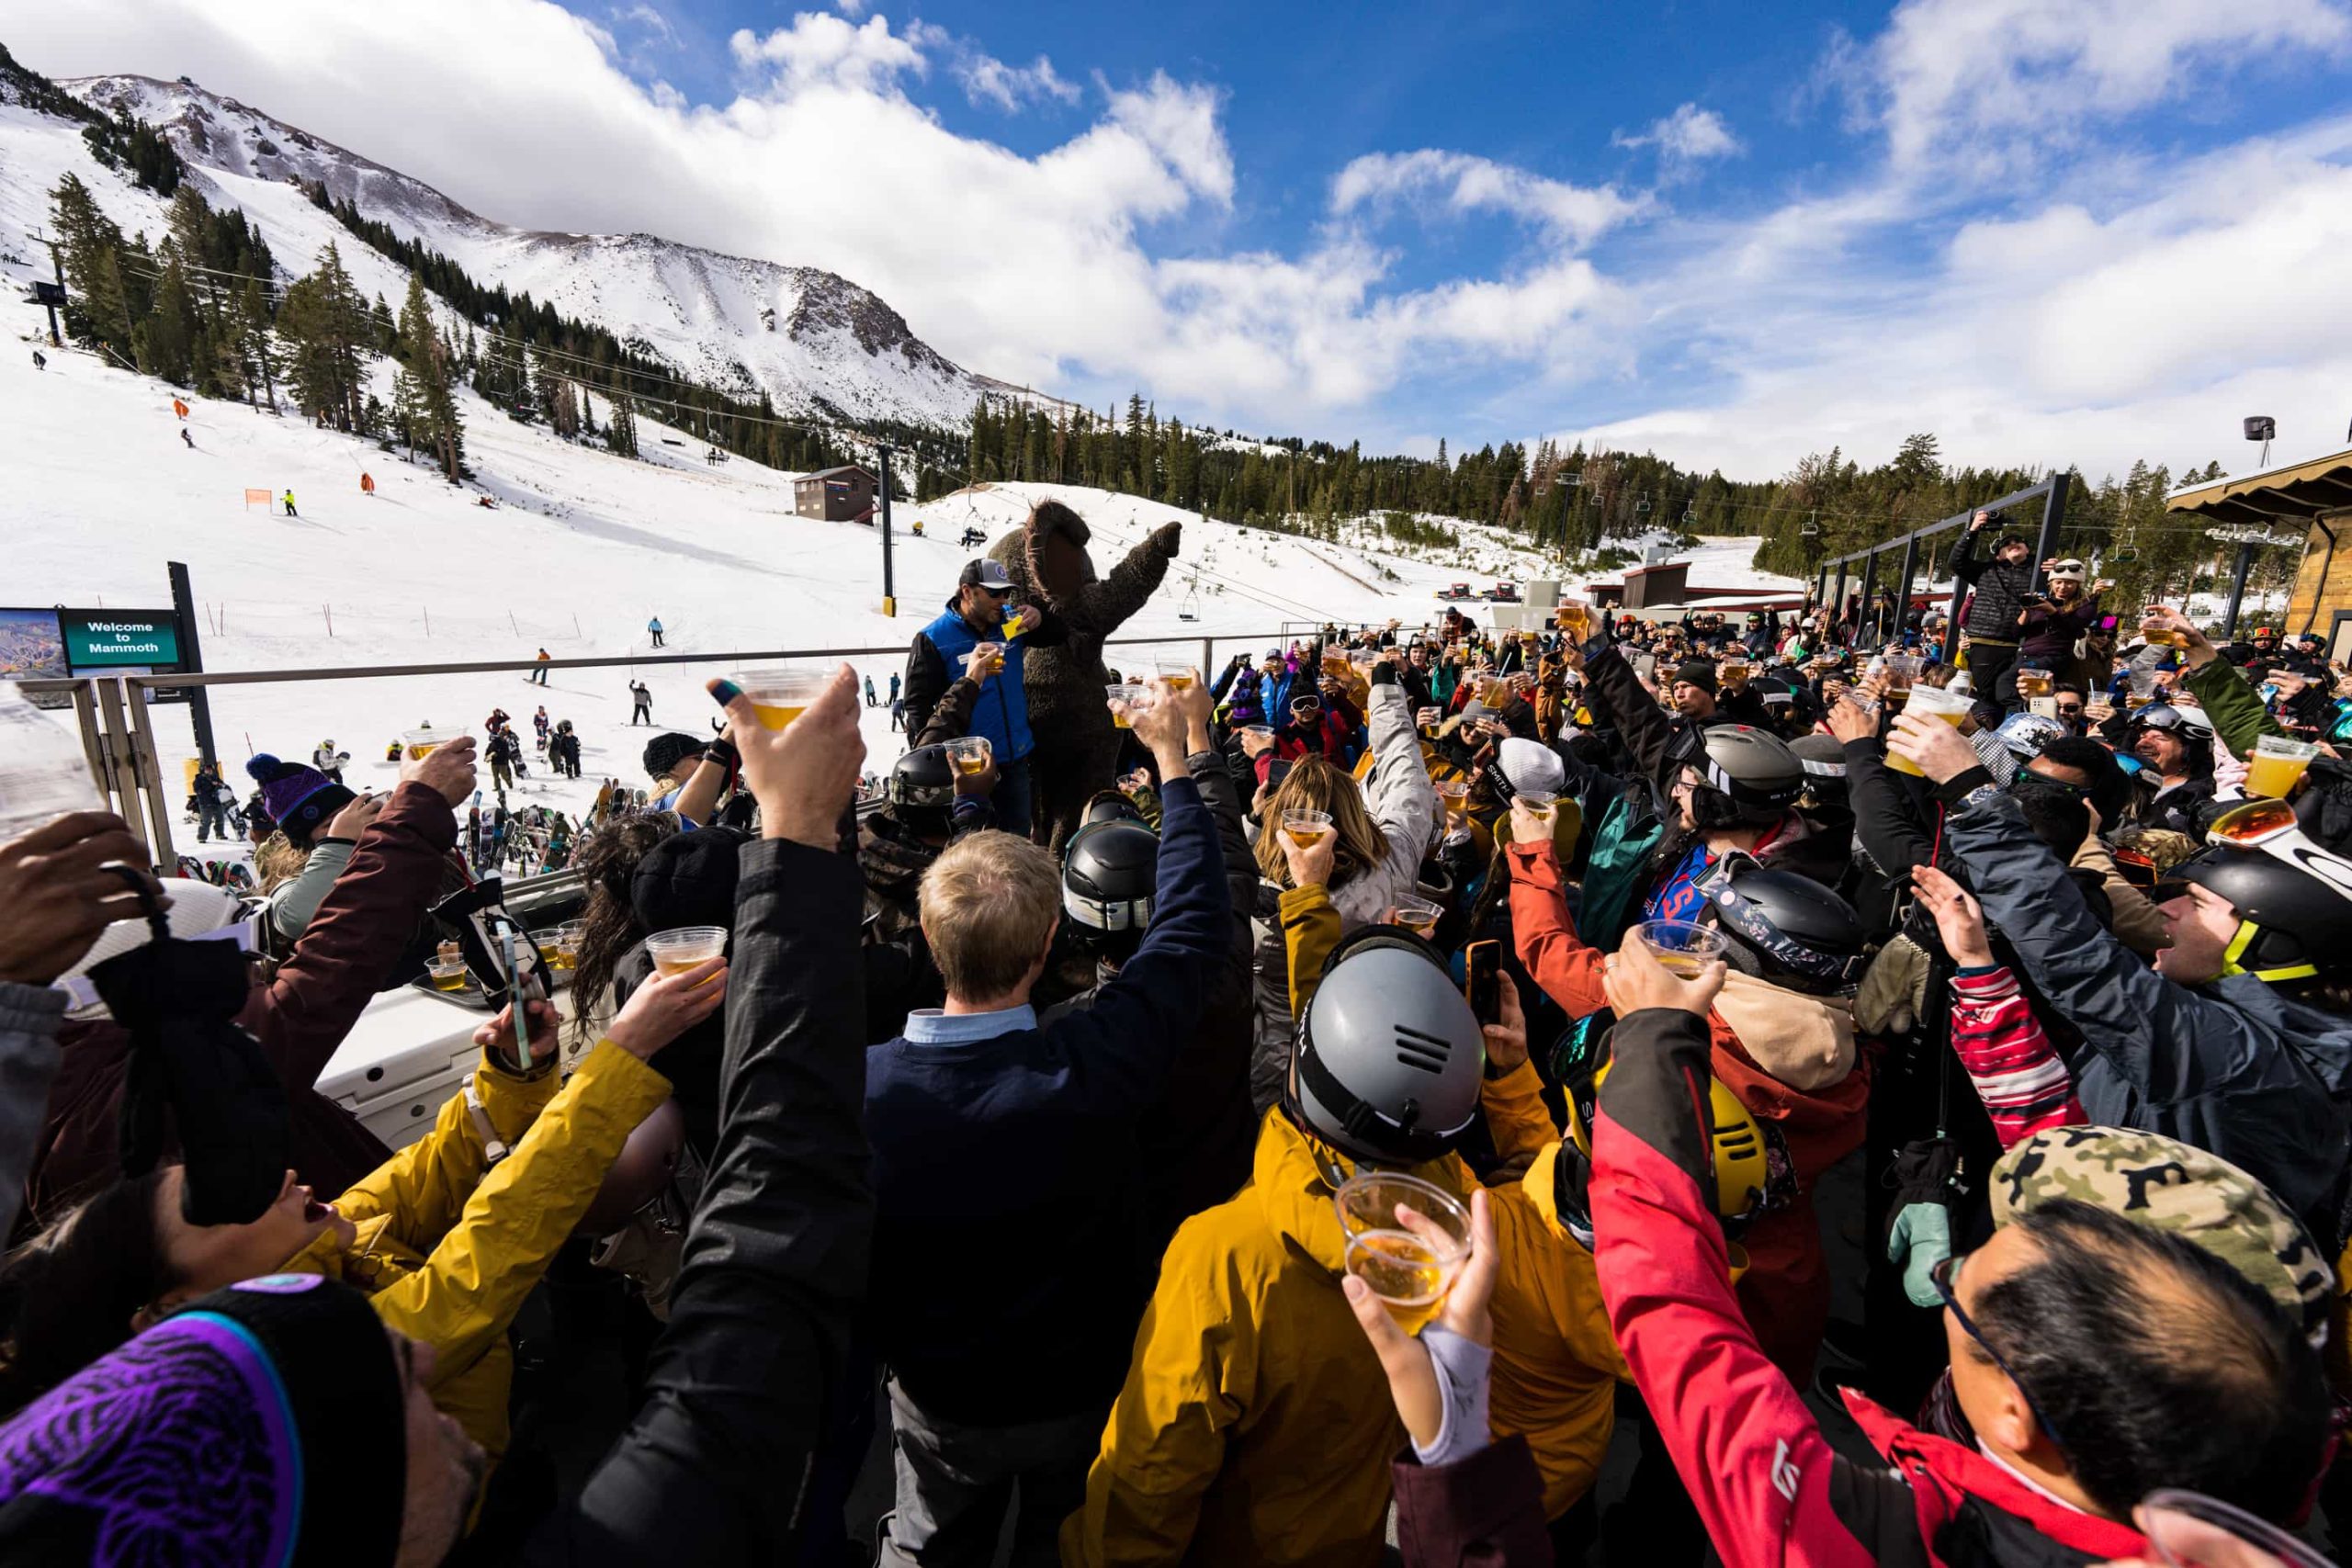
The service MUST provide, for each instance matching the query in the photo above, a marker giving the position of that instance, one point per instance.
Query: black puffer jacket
(2000, 591)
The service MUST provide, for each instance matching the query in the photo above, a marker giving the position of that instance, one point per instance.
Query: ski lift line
(508, 361)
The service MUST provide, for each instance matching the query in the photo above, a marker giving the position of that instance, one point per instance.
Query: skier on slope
(641, 696)
(289, 505)
(654, 625)
(329, 760)
(869, 693)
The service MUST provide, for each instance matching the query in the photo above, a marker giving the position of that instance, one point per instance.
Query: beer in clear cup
(1901, 674)
(1682, 948)
(2035, 682)
(779, 695)
(420, 743)
(1306, 828)
(1454, 796)
(682, 948)
(2277, 764)
(1405, 1237)
(970, 754)
(448, 975)
(1935, 703)
(1415, 914)
(1116, 698)
(1575, 617)
(1540, 803)
(1430, 720)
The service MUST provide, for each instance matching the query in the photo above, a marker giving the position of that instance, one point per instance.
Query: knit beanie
(264, 1423)
(301, 800)
(1531, 765)
(664, 752)
(1699, 672)
(688, 879)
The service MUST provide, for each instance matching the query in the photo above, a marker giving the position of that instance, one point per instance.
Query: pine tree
(90, 246)
(164, 342)
(328, 337)
(424, 397)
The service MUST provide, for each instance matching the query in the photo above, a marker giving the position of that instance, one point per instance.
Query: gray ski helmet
(1749, 774)
(922, 785)
(2025, 734)
(1389, 1057)
(1109, 872)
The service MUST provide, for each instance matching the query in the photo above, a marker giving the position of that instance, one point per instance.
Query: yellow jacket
(1255, 1424)
(1556, 1364)
(449, 1243)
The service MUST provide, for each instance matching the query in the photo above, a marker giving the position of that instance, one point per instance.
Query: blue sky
(2050, 231)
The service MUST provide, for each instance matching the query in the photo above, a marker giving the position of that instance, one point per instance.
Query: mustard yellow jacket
(1557, 1365)
(449, 1243)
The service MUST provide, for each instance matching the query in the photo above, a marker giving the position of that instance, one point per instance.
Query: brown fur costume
(1076, 743)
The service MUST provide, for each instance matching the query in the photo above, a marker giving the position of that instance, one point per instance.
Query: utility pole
(890, 588)
(200, 704)
(51, 295)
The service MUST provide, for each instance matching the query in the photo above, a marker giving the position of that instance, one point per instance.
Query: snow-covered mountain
(817, 343)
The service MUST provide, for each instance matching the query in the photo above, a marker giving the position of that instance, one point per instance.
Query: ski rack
(118, 732)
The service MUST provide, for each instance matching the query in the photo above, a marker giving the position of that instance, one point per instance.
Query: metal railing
(118, 735)
(2052, 492)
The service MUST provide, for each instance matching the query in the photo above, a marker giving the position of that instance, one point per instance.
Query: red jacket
(1766, 1482)
(1786, 1288)
(345, 952)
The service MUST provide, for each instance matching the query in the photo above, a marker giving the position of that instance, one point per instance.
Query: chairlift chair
(2125, 552)
(1811, 527)
(1192, 607)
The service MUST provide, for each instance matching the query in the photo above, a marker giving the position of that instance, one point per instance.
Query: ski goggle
(2252, 823)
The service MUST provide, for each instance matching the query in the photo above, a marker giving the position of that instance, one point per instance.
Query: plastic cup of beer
(1935, 703)
(1575, 617)
(780, 695)
(1733, 670)
(2035, 682)
(2188, 1529)
(1177, 673)
(682, 948)
(1416, 914)
(1116, 698)
(1430, 719)
(1683, 948)
(1540, 803)
(1261, 733)
(2155, 636)
(567, 938)
(448, 975)
(2277, 764)
(970, 754)
(1454, 796)
(2142, 684)
(1405, 1237)
(421, 743)
(1901, 674)
(1306, 828)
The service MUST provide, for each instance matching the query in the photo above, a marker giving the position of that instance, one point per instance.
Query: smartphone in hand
(1482, 965)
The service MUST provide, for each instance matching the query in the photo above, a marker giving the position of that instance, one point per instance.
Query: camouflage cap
(2167, 1184)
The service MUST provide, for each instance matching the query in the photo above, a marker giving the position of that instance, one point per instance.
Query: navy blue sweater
(1006, 1281)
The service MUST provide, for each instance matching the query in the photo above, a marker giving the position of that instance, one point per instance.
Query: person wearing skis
(654, 626)
(641, 697)
(211, 810)
(288, 503)
(869, 692)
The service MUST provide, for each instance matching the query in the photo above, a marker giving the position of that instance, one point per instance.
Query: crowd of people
(1887, 1083)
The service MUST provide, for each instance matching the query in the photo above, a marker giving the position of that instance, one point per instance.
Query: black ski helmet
(1788, 930)
(1823, 758)
(923, 789)
(1109, 870)
(2295, 920)
(1388, 1058)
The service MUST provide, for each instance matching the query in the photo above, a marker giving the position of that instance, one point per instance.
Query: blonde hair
(277, 862)
(989, 903)
(1317, 785)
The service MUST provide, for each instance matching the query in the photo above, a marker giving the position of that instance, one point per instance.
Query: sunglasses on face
(1945, 1274)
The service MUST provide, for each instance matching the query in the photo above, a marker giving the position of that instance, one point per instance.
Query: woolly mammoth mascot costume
(1076, 744)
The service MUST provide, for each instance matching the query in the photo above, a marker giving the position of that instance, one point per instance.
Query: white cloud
(1982, 84)
(1688, 136)
(821, 49)
(850, 7)
(989, 80)
(1465, 183)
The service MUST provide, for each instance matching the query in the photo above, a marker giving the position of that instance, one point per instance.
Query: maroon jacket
(1486, 1511)
(347, 951)
(1765, 1481)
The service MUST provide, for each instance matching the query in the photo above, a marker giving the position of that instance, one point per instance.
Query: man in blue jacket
(977, 615)
(1006, 1283)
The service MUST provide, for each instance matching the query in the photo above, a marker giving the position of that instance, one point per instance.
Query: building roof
(2293, 494)
(829, 473)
